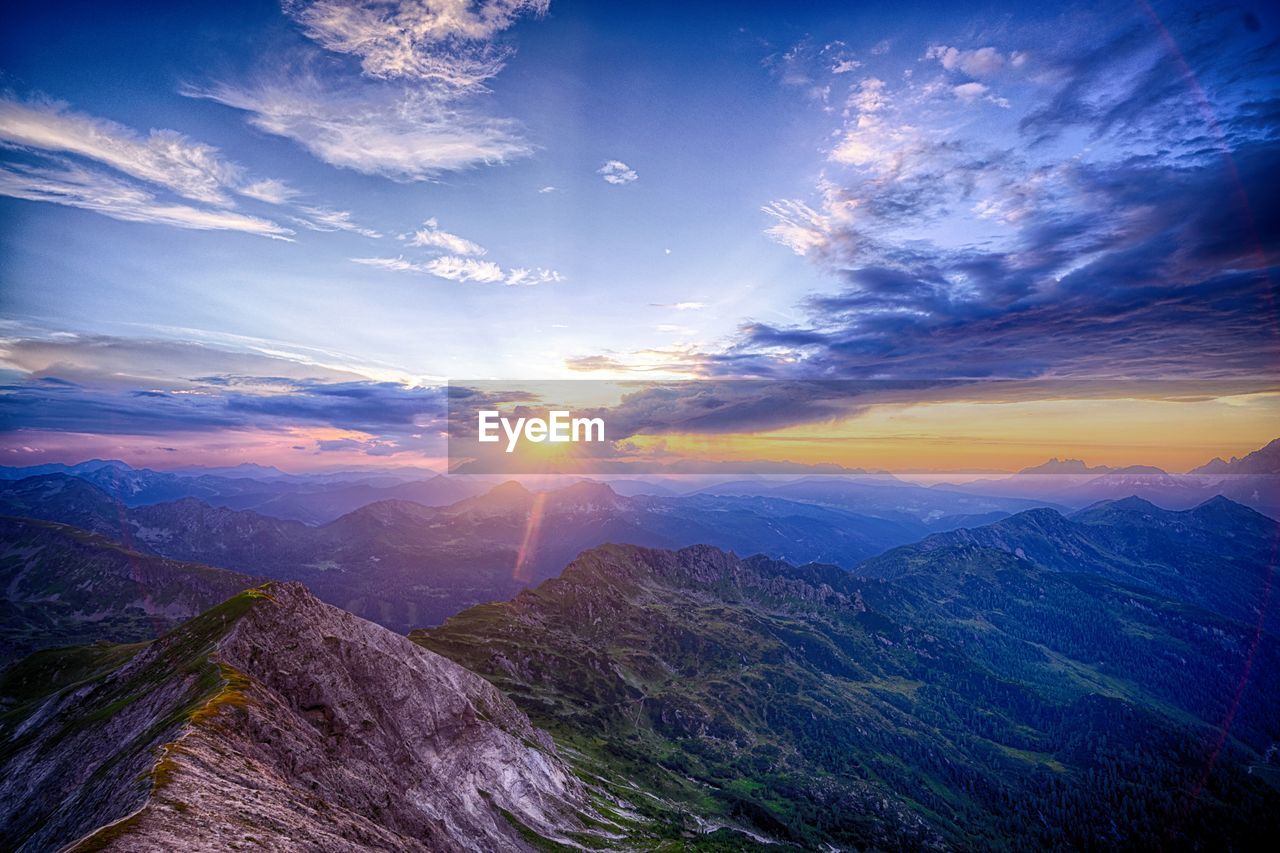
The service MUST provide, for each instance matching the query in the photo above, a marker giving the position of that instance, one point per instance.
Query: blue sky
(230, 204)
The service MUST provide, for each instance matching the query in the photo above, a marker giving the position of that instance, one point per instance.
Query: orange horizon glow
(930, 437)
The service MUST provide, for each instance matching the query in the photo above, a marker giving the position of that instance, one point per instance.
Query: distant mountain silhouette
(1266, 460)
(1066, 466)
(315, 499)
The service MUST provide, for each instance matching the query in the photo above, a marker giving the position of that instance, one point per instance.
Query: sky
(271, 231)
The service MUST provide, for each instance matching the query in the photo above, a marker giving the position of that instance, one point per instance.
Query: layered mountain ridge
(315, 498)
(406, 565)
(978, 697)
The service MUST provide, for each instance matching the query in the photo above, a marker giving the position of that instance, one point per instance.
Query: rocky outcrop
(292, 725)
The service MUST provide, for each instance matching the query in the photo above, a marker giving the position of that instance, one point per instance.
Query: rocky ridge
(276, 720)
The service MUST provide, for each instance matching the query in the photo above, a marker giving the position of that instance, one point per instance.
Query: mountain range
(406, 565)
(1072, 483)
(314, 499)
(980, 698)
(1219, 555)
(321, 497)
(898, 666)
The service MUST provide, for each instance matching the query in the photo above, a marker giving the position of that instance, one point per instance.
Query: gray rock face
(322, 732)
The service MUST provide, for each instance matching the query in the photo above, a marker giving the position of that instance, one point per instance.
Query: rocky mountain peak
(511, 489)
(508, 497)
(586, 493)
(368, 740)
(1265, 460)
(1065, 466)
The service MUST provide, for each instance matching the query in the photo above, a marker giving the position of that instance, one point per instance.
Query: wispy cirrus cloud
(74, 186)
(165, 157)
(465, 270)
(269, 190)
(680, 306)
(810, 66)
(100, 165)
(431, 237)
(411, 112)
(325, 220)
(374, 129)
(164, 363)
(458, 259)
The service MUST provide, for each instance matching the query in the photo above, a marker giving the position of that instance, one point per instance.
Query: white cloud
(432, 237)
(465, 269)
(270, 190)
(548, 189)
(164, 157)
(797, 226)
(322, 219)
(982, 62)
(844, 66)
(972, 92)
(74, 186)
(869, 97)
(445, 42)
(680, 306)
(804, 230)
(524, 275)
(443, 50)
(616, 172)
(375, 130)
(874, 143)
(969, 92)
(461, 260)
